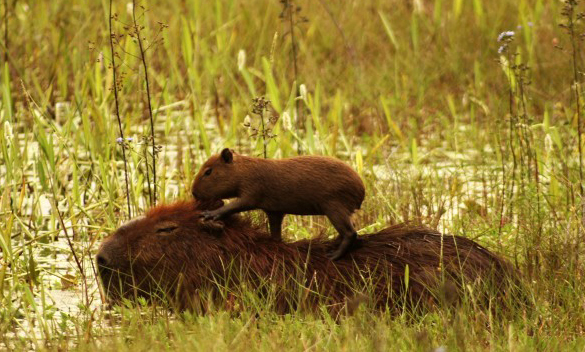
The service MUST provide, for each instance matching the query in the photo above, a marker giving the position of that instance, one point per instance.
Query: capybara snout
(114, 250)
(146, 251)
(102, 259)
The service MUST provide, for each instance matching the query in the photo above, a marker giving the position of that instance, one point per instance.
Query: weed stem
(115, 83)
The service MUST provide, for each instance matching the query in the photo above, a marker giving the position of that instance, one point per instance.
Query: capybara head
(217, 178)
(174, 254)
(146, 256)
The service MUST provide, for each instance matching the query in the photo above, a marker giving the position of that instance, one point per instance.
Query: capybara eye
(207, 172)
(166, 229)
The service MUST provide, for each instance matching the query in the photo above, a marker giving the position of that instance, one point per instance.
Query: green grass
(412, 94)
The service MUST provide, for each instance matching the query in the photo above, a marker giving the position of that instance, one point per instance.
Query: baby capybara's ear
(208, 204)
(227, 155)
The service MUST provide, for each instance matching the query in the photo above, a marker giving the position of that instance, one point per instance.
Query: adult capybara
(304, 185)
(173, 253)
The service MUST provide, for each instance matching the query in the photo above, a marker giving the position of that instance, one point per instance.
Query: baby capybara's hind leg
(275, 222)
(341, 220)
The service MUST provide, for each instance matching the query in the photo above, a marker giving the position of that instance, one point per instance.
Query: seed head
(286, 123)
(303, 91)
(241, 59)
(8, 135)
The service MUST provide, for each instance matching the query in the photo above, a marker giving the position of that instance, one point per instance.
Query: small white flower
(8, 135)
(505, 35)
(129, 8)
(286, 123)
(241, 59)
(502, 49)
(119, 140)
(303, 91)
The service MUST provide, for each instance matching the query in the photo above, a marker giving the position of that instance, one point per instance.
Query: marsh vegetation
(463, 116)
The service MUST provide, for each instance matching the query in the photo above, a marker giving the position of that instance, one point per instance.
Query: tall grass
(419, 104)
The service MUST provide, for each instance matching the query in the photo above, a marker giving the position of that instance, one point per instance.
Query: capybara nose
(101, 260)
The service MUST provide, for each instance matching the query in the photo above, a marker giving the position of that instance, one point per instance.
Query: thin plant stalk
(576, 87)
(260, 107)
(145, 66)
(503, 194)
(148, 174)
(350, 50)
(291, 22)
(511, 136)
(118, 112)
(531, 152)
(263, 134)
(5, 30)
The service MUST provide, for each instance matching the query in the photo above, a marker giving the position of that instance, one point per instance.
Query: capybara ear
(209, 204)
(227, 156)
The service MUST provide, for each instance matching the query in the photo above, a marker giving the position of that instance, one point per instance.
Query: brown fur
(173, 252)
(305, 185)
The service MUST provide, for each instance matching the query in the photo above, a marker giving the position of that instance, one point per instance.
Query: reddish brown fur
(301, 185)
(305, 185)
(191, 260)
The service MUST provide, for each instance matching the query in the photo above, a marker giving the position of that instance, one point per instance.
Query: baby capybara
(304, 185)
(173, 253)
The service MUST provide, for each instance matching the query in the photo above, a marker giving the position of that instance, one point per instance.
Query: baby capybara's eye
(208, 172)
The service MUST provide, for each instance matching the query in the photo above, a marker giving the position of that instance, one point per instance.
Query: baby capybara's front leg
(341, 220)
(238, 205)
